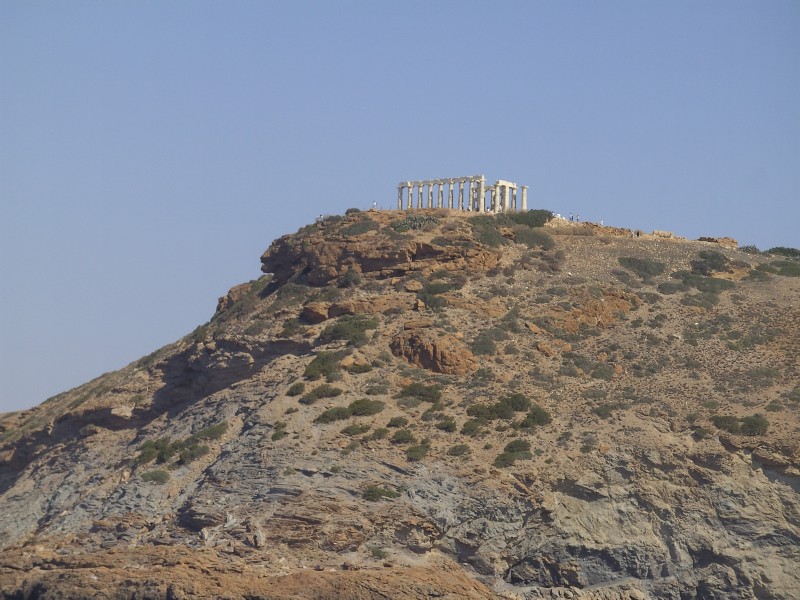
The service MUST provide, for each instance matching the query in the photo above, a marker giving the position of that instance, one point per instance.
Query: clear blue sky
(150, 151)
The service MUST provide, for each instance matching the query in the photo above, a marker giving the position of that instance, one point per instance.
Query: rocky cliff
(432, 404)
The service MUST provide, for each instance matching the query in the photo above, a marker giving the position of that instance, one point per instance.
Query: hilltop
(435, 404)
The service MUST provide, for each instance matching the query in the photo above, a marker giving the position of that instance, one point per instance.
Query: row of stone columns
(473, 186)
(503, 194)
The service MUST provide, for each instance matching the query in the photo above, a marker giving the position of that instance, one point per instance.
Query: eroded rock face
(647, 500)
(429, 349)
(321, 257)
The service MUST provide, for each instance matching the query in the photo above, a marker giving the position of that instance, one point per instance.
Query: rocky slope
(429, 404)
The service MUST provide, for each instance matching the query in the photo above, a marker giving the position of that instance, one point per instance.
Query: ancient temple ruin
(472, 194)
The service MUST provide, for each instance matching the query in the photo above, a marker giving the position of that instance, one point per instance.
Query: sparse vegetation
(374, 493)
(514, 451)
(417, 452)
(645, 268)
(158, 476)
(322, 391)
(325, 364)
(296, 389)
(403, 436)
(459, 450)
(349, 328)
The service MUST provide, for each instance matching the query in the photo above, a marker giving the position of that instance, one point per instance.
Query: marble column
(440, 204)
(482, 192)
(524, 198)
(450, 194)
(430, 195)
(470, 199)
(514, 199)
(399, 197)
(461, 195)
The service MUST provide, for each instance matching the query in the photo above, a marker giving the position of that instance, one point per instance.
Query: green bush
(472, 427)
(459, 450)
(349, 328)
(603, 371)
(360, 227)
(158, 476)
(518, 402)
(280, 431)
(357, 369)
(484, 346)
(397, 422)
(448, 425)
(669, 287)
(754, 425)
(355, 429)
(484, 229)
(507, 459)
(374, 493)
(709, 262)
(422, 392)
(338, 413)
(415, 222)
(784, 251)
(325, 364)
(214, 432)
(537, 416)
(160, 450)
(321, 391)
(726, 423)
(192, 453)
(416, 452)
(787, 268)
(365, 407)
(645, 268)
(517, 446)
(403, 436)
(351, 278)
(603, 410)
(532, 218)
(379, 434)
(533, 238)
(296, 389)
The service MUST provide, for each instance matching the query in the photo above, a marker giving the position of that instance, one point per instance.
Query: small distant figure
(601, 222)
(374, 205)
(571, 217)
(578, 218)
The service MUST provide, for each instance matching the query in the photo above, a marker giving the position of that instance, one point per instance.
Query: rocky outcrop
(429, 349)
(323, 255)
(725, 242)
(258, 458)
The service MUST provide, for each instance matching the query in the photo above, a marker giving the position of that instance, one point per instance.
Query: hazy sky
(151, 151)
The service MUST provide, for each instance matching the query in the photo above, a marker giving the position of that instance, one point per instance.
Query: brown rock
(314, 312)
(413, 286)
(535, 329)
(375, 305)
(442, 354)
(235, 293)
(545, 349)
(418, 324)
